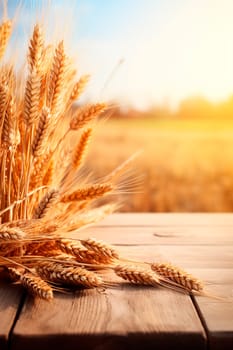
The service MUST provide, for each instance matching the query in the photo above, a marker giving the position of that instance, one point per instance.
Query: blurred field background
(187, 158)
(173, 90)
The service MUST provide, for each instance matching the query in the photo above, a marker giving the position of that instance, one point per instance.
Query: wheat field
(185, 165)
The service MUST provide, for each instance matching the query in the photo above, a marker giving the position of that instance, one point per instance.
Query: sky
(144, 52)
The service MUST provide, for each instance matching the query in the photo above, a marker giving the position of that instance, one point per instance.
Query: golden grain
(5, 33)
(88, 193)
(101, 248)
(80, 149)
(137, 275)
(86, 114)
(45, 204)
(178, 276)
(60, 272)
(11, 233)
(36, 49)
(36, 286)
(41, 133)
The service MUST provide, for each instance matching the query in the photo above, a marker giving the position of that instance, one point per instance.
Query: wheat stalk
(44, 192)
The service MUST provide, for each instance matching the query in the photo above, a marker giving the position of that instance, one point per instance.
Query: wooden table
(131, 317)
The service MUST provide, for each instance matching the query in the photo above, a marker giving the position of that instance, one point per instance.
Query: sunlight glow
(171, 49)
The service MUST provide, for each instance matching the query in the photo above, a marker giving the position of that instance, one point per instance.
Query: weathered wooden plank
(218, 316)
(144, 317)
(126, 318)
(167, 219)
(186, 256)
(162, 235)
(9, 302)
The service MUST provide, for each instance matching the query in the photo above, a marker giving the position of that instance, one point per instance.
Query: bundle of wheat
(42, 194)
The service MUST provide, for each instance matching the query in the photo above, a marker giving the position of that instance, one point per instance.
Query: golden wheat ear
(177, 275)
(5, 33)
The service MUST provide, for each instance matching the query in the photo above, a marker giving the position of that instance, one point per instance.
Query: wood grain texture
(10, 297)
(161, 235)
(188, 256)
(145, 318)
(217, 315)
(167, 219)
(120, 318)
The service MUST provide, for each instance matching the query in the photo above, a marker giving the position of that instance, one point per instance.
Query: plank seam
(202, 320)
(17, 315)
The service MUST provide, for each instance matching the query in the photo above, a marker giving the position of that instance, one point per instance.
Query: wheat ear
(36, 49)
(81, 253)
(5, 33)
(49, 199)
(15, 273)
(88, 193)
(78, 88)
(61, 273)
(40, 168)
(137, 275)
(32, 98)
(86, 114)
(178, 276)
(57, 79)
(10, 138)
(101, 248)
(36, 286)
(41, 133)
(79, 152)
(11, 234)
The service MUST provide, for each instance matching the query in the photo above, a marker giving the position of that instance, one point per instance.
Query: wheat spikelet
(48, 177)
(100, 248)
(10, 136)
(178, 276)
(79, 152)
(57, 79)
(5, 33)
(36, 286)
(41, 248)
(15, 273)
(137, 275)
(61, 273)
(32, 98)
(45, 204)
(36, 49)
(86, 114)
(79, 87)
(92, 192)
(3, 104)
(11, 234)
(41, 133)
(81, 253)
(40, 168)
